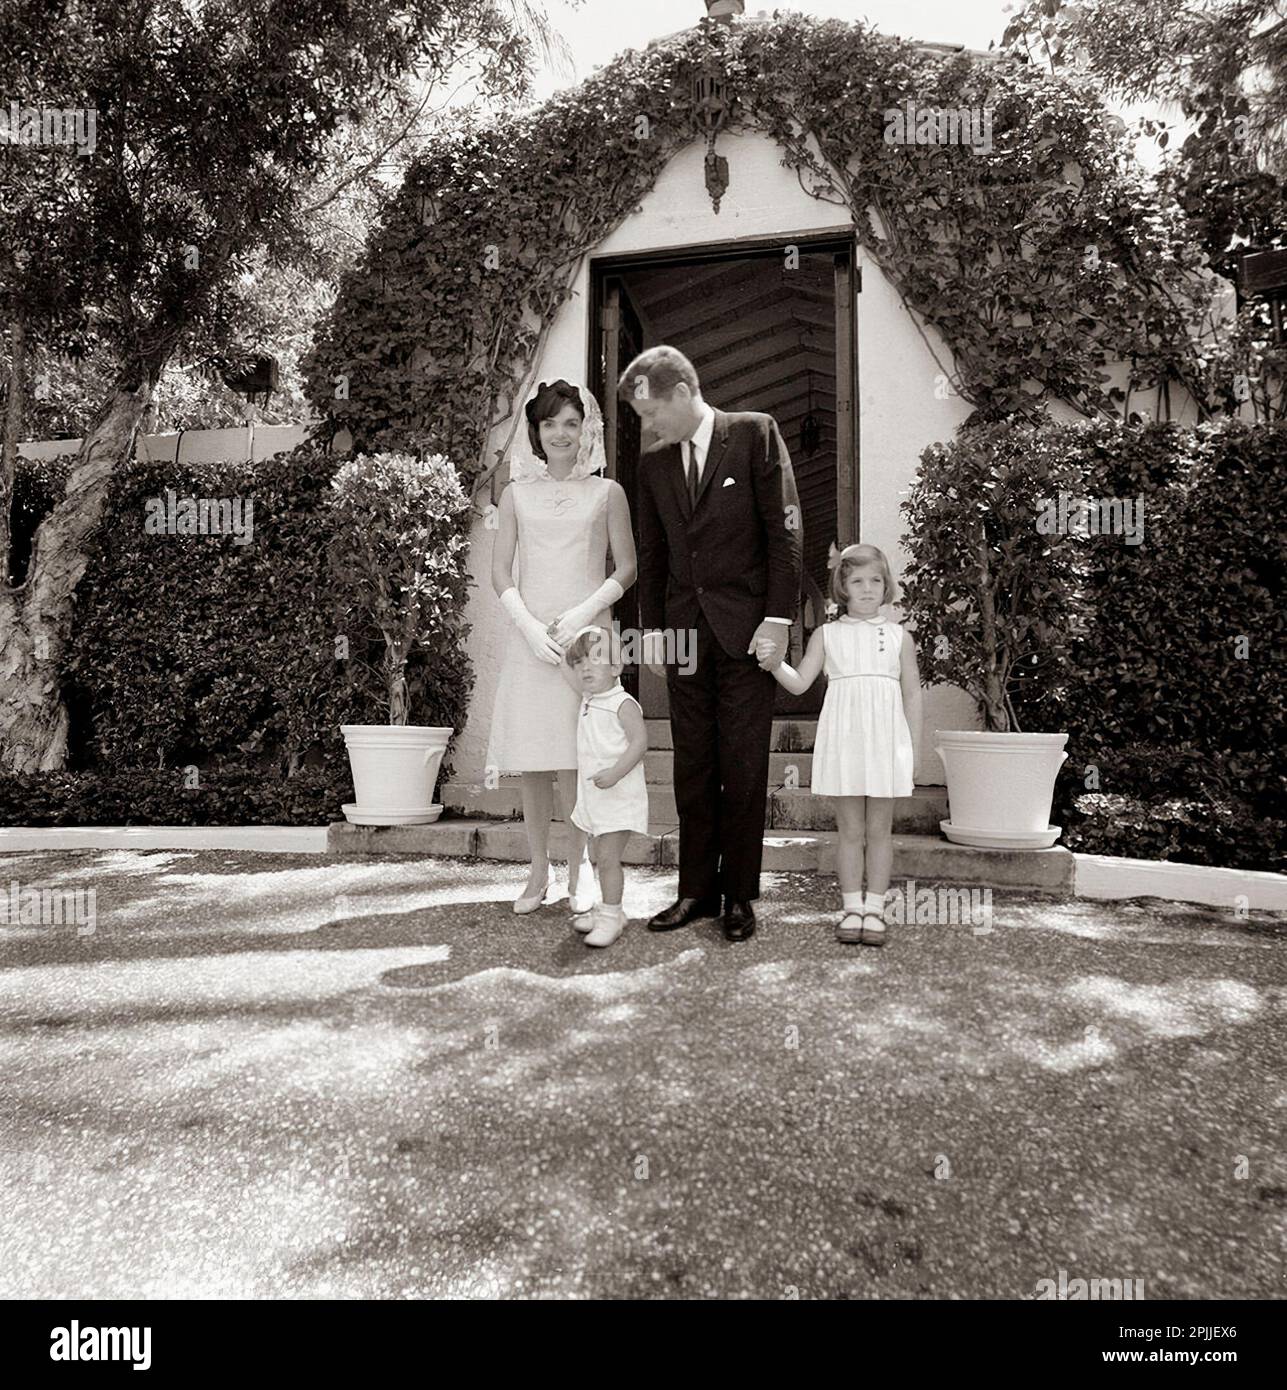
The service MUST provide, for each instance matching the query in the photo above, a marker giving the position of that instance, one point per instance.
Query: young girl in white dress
(612, 798)
(868, 731)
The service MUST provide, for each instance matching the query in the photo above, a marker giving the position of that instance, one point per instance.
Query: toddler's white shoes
(607, 924)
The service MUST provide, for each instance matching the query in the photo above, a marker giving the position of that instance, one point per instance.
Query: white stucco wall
(905, 402)
(241, 443)
(899, 413)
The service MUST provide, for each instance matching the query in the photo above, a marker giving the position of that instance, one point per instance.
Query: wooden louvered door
(768, 328)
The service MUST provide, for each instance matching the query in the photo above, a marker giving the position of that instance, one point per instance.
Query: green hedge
(195, 649)
(1175, 736)
(197, 652)
(194, 652)
(150, 796)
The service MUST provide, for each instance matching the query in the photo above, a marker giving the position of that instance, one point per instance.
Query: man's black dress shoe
(680, 913)
(739, 921)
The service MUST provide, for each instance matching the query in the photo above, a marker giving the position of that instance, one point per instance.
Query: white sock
(852, 902)
(874, 902)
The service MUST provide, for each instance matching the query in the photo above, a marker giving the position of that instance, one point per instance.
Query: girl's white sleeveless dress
(600, 741)
(561, 558)
(863, 745)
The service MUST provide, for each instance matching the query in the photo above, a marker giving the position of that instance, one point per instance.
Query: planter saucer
(413, 815)
(1001, 839)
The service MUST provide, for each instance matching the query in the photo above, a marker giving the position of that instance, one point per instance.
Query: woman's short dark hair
(550, 398)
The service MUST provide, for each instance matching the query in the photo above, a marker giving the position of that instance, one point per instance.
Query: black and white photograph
(640, 661)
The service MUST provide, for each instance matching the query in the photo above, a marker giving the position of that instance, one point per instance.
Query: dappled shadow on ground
(284, 1076)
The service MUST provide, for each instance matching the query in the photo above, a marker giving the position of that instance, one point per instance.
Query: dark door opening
(765, 332)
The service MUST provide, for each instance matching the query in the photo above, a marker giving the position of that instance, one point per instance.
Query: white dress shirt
(700, 443)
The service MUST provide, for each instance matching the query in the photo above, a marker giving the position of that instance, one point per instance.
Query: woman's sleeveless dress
(560, 559)
(600, 741)
(863, 745)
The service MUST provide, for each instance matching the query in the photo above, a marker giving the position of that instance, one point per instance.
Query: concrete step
(659, 766)
(788, 736)
(918, 814)
(787, 809)
(923, 857)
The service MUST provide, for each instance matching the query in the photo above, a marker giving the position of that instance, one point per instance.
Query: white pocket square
(728, 482)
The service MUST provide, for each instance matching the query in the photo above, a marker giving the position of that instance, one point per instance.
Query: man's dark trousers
(721, 721)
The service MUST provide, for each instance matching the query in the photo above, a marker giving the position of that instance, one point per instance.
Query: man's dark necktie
(691, 465)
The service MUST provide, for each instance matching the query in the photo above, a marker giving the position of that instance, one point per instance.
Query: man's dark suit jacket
(738, 557)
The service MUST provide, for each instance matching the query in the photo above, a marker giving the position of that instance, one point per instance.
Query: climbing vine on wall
(1039, 253)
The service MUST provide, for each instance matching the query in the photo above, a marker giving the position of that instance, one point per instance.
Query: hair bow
(835, 556)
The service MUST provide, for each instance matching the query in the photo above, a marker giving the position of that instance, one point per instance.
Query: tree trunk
(995, 716)
(13, 417)
(35, 617)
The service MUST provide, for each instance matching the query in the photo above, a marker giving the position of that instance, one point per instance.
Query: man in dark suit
(720, 553)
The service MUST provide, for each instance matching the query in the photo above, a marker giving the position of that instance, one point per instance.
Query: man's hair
(591, 644)
(656, 372)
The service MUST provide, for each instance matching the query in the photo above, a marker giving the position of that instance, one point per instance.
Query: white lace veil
(524, 466)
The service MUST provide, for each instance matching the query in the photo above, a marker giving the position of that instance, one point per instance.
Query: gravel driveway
(268, 1075)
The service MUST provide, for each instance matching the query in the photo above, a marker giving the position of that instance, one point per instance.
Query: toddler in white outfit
(612, 797)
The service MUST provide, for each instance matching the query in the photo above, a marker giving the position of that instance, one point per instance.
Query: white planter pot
(999, 787)
(395, 768)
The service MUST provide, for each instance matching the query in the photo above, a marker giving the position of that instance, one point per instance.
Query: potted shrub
(993, 594)
(399, 555)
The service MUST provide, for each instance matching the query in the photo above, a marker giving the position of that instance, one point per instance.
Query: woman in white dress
(557, 522)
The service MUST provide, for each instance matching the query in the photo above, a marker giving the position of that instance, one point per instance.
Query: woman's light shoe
(609, 922)
(583, 919)
(541, 899)
(583, 899)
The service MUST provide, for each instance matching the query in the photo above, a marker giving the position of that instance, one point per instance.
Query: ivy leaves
(1038, 259)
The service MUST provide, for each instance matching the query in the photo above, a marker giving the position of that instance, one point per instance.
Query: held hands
(769, 645)
(654, 653)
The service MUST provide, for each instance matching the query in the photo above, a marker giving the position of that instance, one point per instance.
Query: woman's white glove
(568, 624)
(543, 646)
